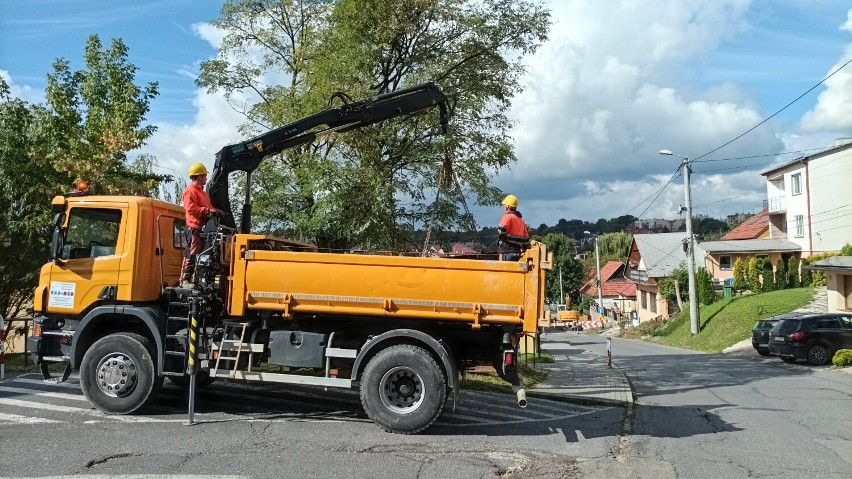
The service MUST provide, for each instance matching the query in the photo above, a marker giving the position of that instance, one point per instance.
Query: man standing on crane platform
(196, 203)
(514, 237)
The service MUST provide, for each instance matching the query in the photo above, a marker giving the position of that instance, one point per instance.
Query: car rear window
(765, 324)
(787, 326)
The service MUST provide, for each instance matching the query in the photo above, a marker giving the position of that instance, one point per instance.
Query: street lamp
(598, 261)
(690, 248)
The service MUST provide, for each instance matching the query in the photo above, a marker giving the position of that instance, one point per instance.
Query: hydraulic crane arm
(247, 155)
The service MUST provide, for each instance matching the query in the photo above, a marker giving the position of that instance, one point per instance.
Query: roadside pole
(609, 351)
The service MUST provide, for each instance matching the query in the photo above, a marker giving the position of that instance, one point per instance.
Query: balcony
(640, 276)
(776, 205)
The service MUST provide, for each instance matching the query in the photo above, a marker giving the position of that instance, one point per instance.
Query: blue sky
(617, 81)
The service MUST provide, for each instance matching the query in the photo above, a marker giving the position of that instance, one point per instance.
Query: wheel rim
(819, 355)
(401, 390)
(116, 375)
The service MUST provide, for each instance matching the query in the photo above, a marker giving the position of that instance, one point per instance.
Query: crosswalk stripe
(37, 392)
(15, 418)
(65, 385)
(79, 410)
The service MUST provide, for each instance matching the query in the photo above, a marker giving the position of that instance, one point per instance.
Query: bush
(793, 272)
(740, 281)
(846, 250)
(780, 274)
(705, 287)
(753, 275)
(768, 280)
(842, 358)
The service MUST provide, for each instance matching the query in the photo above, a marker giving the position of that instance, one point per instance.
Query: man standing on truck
(514, 237)
(196, 204)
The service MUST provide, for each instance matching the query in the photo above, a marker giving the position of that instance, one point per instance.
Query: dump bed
(443, 289)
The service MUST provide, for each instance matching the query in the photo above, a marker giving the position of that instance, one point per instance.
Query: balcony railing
(776, 205)
(639, 276)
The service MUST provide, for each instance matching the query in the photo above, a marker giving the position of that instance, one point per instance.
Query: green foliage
(815, 279)
(740, 270)
(793, 272)
(780, 274)
(615, 246)
(680, 277)
(370, 185)
(842, 358)
(846, 250)
(91, 119)
(753, 275)
(767, 277)
(564, 266)
(704, 284)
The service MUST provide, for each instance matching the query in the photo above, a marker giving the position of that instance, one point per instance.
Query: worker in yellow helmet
(514, 237)
(196, 204)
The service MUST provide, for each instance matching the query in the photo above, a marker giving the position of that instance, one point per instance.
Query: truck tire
(403, 389)
(117, 373)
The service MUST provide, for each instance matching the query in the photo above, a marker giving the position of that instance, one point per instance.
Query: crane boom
(247, 155)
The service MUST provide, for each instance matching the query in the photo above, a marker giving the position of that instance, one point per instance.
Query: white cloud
(833, 110)
(24, 92)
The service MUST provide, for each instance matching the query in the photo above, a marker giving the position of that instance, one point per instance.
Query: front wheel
(818, 355)
(117, 373)
(403, 389)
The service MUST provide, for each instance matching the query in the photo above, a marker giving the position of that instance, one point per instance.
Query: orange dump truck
(400, 329)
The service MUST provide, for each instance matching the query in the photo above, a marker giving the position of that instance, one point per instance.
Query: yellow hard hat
(511, 201)
(197, 169)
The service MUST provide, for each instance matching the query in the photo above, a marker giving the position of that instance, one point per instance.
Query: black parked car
(760, 334)
(815, 337)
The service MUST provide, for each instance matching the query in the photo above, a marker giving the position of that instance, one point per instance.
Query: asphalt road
(730, 415)
(291, 432)
(696, 416)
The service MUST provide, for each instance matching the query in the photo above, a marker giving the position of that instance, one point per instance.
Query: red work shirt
(197, 204)
(514, 225)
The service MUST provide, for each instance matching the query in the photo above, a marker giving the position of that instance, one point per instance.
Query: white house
(809, 199)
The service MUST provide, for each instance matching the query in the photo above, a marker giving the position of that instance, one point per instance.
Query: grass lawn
(724, 322)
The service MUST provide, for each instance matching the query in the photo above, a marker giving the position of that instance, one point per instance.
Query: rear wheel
(117, 373)
(763, 352)
(818, 355)
(403, 389)
(788, 359)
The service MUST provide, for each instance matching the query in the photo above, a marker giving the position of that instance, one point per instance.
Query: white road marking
(37, 392)
(14, 418)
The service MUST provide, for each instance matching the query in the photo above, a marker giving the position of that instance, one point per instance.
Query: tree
(753, 275)
(97, 115)
(767, 275)
(673, 286)
(793, 272)
(780, 274)
(846, 250)
(740, 270)
(565, 266)
(370, 185)
(615, 246)
(704, 284)
(91, 119)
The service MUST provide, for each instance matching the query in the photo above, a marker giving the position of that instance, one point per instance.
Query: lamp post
(690, 244)
(598, 262)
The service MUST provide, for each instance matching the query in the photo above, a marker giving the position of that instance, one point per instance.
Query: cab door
(171, 247)
(87, 265)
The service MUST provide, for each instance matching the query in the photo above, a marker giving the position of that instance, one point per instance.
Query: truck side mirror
(58, 238)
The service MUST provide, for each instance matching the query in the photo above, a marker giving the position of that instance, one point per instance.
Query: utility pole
(690, 245)
(598, 263)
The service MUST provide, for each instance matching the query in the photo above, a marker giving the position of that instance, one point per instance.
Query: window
(653, 302)
(92, 232)
(828, 323)
(725, 262)
(796, 184)
(800, 225)
(643, 295)
(179, 234)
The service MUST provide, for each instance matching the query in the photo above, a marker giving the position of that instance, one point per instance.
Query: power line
(657, 193)
(762, 156)
(776, 113)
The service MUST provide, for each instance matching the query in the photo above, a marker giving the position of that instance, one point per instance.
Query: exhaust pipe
(522, 397)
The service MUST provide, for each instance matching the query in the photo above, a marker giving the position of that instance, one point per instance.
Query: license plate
(779, 339)
(763, 345)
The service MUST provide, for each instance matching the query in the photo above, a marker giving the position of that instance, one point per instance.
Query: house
(838, 272)
(721, 255)
(809, 201)
(652, 258)
(618, 293)
(754, 227)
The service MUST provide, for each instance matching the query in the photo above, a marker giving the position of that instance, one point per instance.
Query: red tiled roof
(751, 228)
(614, 284)
(610, 269)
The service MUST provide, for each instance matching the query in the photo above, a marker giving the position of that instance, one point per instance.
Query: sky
(616, 82)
